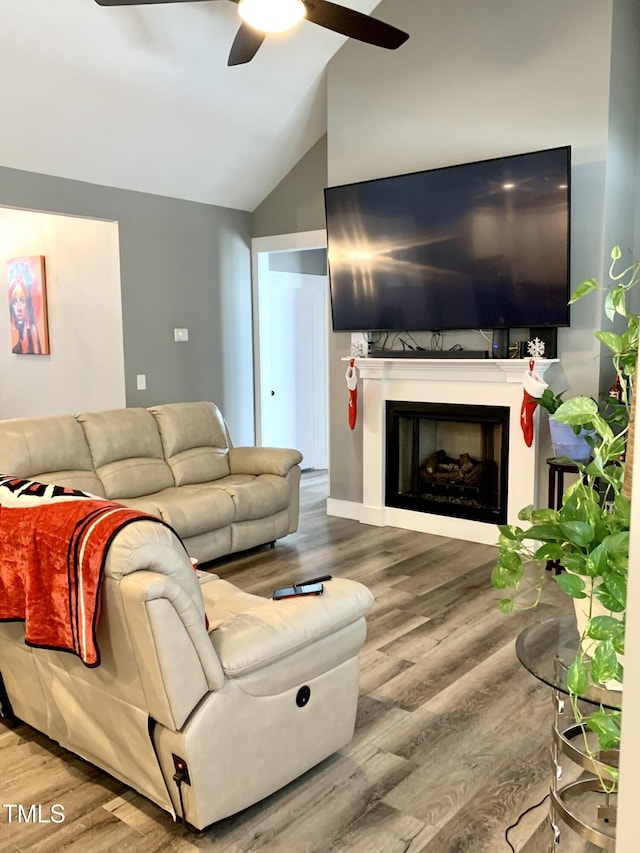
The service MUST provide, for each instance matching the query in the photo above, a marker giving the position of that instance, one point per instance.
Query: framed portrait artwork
(27, 289)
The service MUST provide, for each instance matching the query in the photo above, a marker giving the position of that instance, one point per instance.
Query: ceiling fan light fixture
(271, 16)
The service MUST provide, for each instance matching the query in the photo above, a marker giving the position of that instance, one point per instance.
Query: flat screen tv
(481, 245)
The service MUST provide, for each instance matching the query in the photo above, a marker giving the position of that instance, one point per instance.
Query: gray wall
(182, 264)
(473, 81)
(297, 203)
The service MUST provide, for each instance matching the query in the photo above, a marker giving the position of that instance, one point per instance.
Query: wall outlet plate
(181, 334)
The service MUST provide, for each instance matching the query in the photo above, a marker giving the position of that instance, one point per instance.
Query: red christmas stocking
(532, 387)
(352, 385)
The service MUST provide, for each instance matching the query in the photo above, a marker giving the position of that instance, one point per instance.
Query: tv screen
(481, 245)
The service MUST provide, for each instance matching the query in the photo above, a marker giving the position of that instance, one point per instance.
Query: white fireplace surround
(482, 382)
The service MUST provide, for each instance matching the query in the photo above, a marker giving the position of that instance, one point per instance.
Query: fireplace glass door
(447, 459)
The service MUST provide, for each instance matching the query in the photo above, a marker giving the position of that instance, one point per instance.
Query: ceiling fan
(260, 17)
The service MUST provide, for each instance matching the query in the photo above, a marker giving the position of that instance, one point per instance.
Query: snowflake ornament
(357, 349)
(536, 348)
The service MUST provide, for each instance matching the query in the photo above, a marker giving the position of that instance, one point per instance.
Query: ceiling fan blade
(139, 2)
(354, 24)
(245, 45)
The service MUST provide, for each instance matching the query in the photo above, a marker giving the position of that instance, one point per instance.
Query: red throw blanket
(53, 546)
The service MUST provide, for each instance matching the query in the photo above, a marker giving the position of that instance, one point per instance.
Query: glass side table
(547, 649)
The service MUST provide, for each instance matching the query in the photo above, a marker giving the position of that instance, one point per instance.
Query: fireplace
(459, 382)
(447, 459)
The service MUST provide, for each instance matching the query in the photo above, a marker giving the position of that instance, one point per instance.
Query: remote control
(315, 580)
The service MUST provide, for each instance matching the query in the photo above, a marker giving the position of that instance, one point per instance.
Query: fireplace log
(441, 468)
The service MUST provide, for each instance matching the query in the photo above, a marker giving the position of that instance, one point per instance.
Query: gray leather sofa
(176, 461)
(267, 692)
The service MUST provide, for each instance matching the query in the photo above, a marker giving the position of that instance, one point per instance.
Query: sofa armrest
(263, 460)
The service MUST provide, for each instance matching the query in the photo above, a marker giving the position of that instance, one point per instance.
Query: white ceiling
(141, 97)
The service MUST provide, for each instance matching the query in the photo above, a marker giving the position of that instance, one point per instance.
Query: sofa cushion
(195, 441)
(192, 510)
(147, 503)
(256, 497)
(49, 449)
(127, 452)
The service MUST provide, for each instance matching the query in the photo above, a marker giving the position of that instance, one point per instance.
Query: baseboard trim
(344, 509)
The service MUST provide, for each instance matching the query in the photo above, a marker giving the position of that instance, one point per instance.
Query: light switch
(141, 381)
(181, 334)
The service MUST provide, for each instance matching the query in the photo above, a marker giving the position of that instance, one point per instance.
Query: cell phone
(297, 590)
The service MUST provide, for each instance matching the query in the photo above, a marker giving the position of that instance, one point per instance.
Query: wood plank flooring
(452, 735)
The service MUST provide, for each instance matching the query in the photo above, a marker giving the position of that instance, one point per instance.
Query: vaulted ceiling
(141, 97)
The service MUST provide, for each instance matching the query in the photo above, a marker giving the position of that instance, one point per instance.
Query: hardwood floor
(452, 736)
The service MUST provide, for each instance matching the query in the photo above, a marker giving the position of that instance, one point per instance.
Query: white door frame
(265, 245)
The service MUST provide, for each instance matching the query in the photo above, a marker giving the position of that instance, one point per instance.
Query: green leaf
(603, 628)
(545, 532)
(623, 507)
(595, 468)
(602, 428)
(617, 544)
(587, 286)
(510, 531)
(606, 725)
(579, 533)
(604, 663)
(616, 254)
(596, 562)
(615, 586)
(577, 678)
(506, 606)
(498, 579)
(615, 303)
(507, 573)
(572, 585)
(510, 561)
(544, 515)
(608, 601)
(611, 340)
(525, 513)
(576, 563)
(550, 401)
(548, 551)
(577, 410)
(616, 449)
(506, 545)
(618, 644)
(579, 504)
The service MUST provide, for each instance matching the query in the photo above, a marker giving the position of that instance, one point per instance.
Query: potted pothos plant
(589, 534)
(570, 440)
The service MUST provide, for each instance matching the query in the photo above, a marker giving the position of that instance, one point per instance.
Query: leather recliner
(233, 712)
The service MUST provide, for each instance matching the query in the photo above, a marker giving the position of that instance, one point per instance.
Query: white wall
(85, 370)
(623, 224)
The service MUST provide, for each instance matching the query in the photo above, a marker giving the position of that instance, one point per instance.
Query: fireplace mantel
(496, 370)
(490, 382)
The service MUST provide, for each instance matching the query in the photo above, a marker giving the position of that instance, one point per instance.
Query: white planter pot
(567, 443)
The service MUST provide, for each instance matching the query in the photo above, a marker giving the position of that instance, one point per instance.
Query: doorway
(291, 320)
